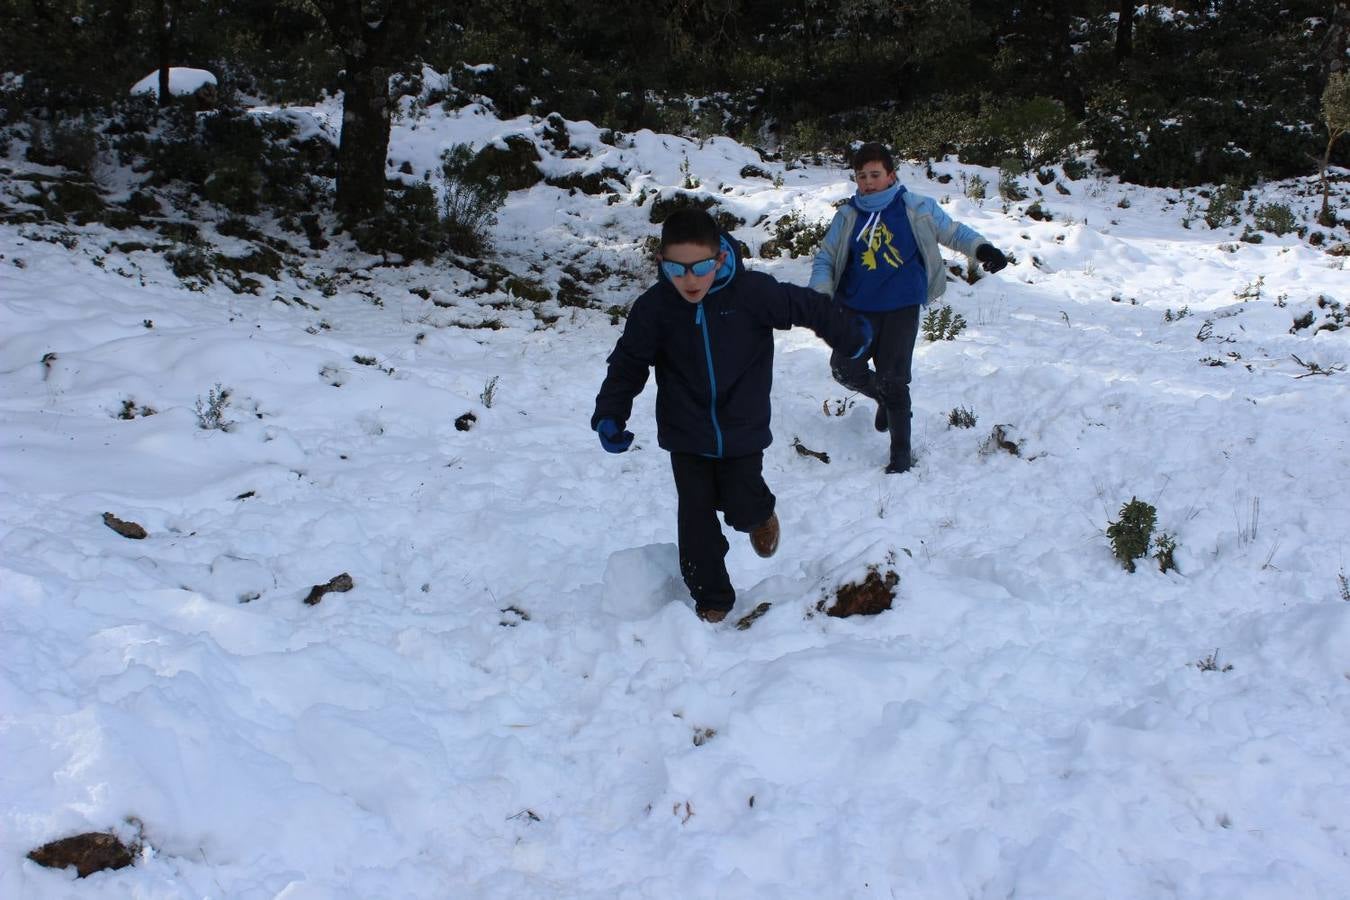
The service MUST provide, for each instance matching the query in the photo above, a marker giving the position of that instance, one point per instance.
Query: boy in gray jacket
(880, 258)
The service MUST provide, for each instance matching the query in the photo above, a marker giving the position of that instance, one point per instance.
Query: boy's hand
(612, 436)
(865, 329)
(991, 257)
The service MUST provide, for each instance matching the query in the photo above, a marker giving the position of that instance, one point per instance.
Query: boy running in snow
(706, 326)
(880, 258)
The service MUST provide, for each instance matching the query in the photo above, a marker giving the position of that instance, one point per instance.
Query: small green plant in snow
(211, 409)
(960, 417)
(976, 188)
(1223, 206)
(1252, 291)
(941, 324)
(489, 393)
(1211, 663)
(1131, 534)
(1164, 548)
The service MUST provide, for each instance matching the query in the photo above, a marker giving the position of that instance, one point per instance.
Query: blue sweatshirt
(885, 270)
(931, 226)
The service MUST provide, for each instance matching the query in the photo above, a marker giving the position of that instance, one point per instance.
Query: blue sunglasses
(697, 269)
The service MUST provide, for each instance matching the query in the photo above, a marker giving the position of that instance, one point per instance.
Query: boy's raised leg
(747, 501)
(857, 375)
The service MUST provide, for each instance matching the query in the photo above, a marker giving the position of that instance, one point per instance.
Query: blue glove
(612, 436)
(865, 329)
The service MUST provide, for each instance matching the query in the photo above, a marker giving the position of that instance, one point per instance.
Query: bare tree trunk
(166, 26)
(808, 41)
(1125, 32)
(371, 49)
(1324, 217)
(364, 144)
(1333, 52)
(1061, 57)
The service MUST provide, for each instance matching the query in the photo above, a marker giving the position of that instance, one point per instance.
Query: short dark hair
(872, 151)
(691, 226)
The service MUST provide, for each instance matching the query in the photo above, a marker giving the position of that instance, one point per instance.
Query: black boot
(901, 460)
(880, 422)
(898, 465)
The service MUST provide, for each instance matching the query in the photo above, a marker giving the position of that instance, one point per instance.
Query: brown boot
(712, 615)
(765, 537)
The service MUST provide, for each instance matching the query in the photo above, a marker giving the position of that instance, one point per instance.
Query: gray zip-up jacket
(931, 227)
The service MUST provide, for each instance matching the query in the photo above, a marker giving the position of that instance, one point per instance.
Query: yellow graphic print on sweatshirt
(879, 242)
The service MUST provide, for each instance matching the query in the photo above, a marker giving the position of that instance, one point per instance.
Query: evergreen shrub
(1008, 171)
(473, 196)
(1131, 534)
(1035, 131)
(941, 324)
(71, 143)
(1223, 208)
(514, 167)
(409, 227)
(933, 130)
(960, 417)
(798, 236)
(1276, 218)
(1164, 549)
(190, 262)
(227, 156)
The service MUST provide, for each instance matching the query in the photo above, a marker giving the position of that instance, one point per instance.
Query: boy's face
(873, 177)
(693, 287)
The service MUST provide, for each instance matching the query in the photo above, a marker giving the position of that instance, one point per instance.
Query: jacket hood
(727, 271)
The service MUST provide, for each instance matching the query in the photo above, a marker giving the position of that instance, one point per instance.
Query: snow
(182, 81)
(516, 698)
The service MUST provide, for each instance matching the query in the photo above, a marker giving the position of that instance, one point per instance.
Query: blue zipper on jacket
(712, 377)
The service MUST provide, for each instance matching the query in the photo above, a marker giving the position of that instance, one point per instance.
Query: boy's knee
(852, 377)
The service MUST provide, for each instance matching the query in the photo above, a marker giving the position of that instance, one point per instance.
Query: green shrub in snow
(211, 410)
(941, 324)
(1130, 535)
(960, 417)
(976, 188)
(798, 236)
(1008, 172)
(1223, 205)
(1276, 218)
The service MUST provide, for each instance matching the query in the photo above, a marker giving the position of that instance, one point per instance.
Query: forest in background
(1220, 92)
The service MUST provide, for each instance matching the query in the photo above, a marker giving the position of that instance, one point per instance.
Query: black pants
(706, 486)
(892, 353)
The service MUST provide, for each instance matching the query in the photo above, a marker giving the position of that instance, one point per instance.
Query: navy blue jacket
(714, 359)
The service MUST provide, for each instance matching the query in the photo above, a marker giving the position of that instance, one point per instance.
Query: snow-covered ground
(516, 700)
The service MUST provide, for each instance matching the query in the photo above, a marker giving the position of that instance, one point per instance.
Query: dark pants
(892, 353)
(706, 486)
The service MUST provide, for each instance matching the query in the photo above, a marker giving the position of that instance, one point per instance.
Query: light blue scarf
(878, 201)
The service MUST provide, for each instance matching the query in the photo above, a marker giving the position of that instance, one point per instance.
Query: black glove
(991, 257)
(612, 436)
